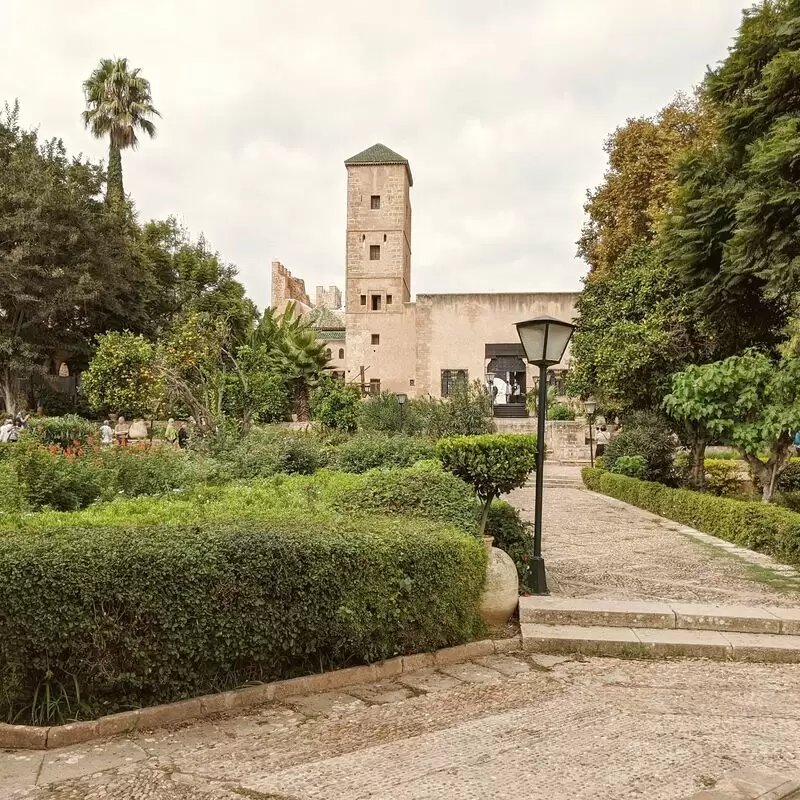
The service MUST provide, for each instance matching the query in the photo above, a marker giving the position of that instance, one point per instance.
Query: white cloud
(502, 109)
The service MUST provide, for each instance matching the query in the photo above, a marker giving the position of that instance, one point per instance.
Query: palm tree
(300, 358)
(118, 105)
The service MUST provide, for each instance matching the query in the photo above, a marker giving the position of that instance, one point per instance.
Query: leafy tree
(627, 207)
(301, 358)
(733, 228)
(635, 329)
(335, 404)
(492, 464)
(64, 271)
(750, 402)
(123, 375)
(118, 105)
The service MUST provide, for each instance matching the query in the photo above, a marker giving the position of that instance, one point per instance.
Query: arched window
(341, 352)
(327, 352)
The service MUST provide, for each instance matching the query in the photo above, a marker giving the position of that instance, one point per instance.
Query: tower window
(376, 302)
(376, 338)
(341, 352)
(363, 299)
(375, 201)
(374, 385)
(411, 382)
(388, 299)
(374, 252)
(384, 237)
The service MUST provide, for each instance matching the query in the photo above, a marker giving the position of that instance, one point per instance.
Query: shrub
(648, 435)
(632, 466)
(722, 477)
(561, 411)
(363, 453)
(67, 431)
(267, 398)
(492, 464)
(103, 611)
(761, 527)
(267, 451)
(335, 404)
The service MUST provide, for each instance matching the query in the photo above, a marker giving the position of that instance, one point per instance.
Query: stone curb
(30, 737)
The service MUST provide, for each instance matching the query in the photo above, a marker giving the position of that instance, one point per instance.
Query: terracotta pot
(501, 591)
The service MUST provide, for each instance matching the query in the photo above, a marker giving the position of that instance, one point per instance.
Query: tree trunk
(10, 391)
(115, 193)
(302, 405)
(697, 455)
(487, 504)
(767, 473)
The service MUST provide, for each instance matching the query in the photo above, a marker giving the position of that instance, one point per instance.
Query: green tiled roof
(323, 318)
(380, 154)
(337, 335)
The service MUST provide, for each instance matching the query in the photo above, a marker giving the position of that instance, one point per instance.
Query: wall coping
(31, 737)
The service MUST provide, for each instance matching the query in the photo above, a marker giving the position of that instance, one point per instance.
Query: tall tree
(63, 275)
(627, 207)
(119, 105)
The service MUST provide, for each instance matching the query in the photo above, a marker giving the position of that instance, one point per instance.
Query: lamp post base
(538, 576)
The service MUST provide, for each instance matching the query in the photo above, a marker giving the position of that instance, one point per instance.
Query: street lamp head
(590, 405)
(401, 399)
(544, 339)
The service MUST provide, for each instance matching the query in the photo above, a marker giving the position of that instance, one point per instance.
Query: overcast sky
(501, 107)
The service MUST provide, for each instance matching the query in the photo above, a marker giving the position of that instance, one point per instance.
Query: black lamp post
(544, 340)
(590, 406)
(401, 401)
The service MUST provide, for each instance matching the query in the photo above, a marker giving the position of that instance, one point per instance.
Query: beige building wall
(338, 354)
(454, 329)
(288, 289)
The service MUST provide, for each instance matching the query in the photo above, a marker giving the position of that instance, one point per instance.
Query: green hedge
(757, 526)
(95, 620)
(363, 453)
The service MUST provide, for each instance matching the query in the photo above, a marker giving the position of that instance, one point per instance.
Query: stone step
(659, 643)
(549, 610)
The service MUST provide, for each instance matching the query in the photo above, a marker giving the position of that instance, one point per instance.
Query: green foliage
(648, 435)
(560, 411)
(65, 432)
(267, 451)
(467, 412)
(631, 466)
(363, 453)
(335, 404)
(264, 397)
(492, 464)
(104, 610)
(514, 535)
(122, 376)
(748, 401)
(722, 477)
(767, 529)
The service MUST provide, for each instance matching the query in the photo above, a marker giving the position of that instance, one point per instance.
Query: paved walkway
(501, 727)
(598, 547)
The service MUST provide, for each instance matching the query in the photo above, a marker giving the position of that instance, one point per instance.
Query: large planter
(501, 591)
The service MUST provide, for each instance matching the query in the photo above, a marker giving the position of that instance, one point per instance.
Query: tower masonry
(380, 326)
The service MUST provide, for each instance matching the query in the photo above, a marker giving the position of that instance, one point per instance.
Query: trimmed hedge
(97, 620)
(363, 453)
(757, 526)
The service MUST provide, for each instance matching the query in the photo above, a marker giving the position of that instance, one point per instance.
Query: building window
(363, 299)
(376, 338)
(376, 302)
(388, 299)
(411, 382)
(375, 201)
(341, 352)
(327, 353)
(384, 237)
(453, 379)
(374, 252)
(375, 386)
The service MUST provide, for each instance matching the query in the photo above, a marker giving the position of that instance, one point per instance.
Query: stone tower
(378, 267)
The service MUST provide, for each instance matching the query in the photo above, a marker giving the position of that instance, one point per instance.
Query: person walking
(183, 436)
(171, 434)
(5, 429)
(106, 433)
(603, 438)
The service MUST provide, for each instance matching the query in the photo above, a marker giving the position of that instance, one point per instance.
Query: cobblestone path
(503, 728)
(598, 547)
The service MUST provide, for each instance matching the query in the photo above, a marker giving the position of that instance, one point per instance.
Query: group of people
(175, 434)
(12, 427)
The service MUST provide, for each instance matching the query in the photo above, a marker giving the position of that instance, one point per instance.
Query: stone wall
(330, 297)
(286, 289)
(565, 440)
(454, 329)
